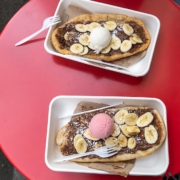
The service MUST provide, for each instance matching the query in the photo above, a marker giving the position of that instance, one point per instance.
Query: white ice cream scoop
(100, 38)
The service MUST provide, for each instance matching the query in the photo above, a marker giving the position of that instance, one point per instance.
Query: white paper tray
(152, 23)
(154, 165)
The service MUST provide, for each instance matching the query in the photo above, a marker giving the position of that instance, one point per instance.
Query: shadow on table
(97, 72)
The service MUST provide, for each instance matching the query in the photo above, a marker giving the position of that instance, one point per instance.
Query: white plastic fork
(89, 111)
(103, 152)
(107, 65)
(50, 21)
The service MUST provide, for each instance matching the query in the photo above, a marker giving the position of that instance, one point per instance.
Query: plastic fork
(50, 21)
(107, 65)
(103, 152)
(89, 111)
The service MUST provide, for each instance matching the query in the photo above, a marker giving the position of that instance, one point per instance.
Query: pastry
(106, 37)
(137, 132)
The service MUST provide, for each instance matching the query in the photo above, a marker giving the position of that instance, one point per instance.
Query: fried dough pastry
(138, 132)
(129, 36)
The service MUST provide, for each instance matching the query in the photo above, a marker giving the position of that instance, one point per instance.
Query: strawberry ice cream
(101, 126)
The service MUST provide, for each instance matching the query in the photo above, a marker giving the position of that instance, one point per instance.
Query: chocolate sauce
(118, 31)
(79, 124)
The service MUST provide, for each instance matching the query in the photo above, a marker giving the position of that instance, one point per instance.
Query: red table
(30, 78)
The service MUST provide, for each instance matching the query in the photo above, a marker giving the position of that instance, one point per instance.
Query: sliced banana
(111, 141)
(81, 146)
(133, 130)
(115, 43)
(119, 116)
(69, 35)
(76, 138)
(151, 134)
(93, 25)
(88, 135)
(132, 40)
(80, 27)
(128, 29)
(106, 49)
(85, 51)
(87, 26)
(124, 130)
(125, 46)
(122, 140)
(84, 39)
(76, 48)
(116, 131)
(131, 143)
(90, 46)
(130, 119)
(137, 38)
(145, 119)
(117, 148)
(110, 25)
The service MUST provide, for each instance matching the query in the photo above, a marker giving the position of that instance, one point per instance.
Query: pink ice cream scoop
(101, 126)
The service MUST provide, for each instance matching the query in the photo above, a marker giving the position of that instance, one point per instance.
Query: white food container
(151, 22)
(153, 165)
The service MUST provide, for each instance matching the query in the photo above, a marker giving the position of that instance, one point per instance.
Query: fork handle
(29, 37)
(66, 158)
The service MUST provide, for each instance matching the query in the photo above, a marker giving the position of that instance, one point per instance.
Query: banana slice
(133, 130)
(124, 130)
(76, 48)
(131, 143)
(151, 134)
(110, 25)
(130, 119)
(93, 25)
(127, 29)
(69, 35)
(81, 146)
(80, 27)
(91, 47)
(76, 138)
(88, 27)
(117, 148)
(84, 39)
(85, 51)
(115, 43)
(106, 49)
(137, 38)
(126, 46)
(88, 135)
(111, 141)
(122, 140)
(132, 40)
(119, 116)
(116, 131)
(145, 120)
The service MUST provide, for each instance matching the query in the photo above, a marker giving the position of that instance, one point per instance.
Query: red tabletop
(30, 78)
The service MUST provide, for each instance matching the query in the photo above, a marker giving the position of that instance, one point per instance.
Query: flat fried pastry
(138, 132)
(126, 36)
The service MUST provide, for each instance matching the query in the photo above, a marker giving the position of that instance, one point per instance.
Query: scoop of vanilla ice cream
(100, 38)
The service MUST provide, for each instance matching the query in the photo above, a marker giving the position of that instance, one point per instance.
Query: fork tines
(55, 18)
(111, 151)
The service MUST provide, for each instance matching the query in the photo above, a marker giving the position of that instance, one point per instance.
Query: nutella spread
(69, 35)
(79, 124)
